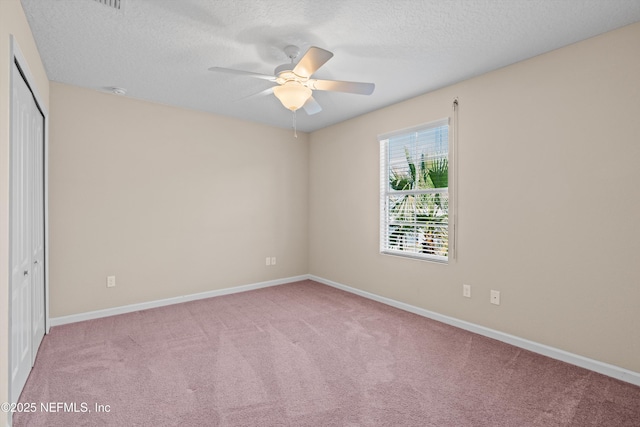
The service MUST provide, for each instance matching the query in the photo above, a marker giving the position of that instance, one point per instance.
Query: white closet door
(27, 233)
(37, 230)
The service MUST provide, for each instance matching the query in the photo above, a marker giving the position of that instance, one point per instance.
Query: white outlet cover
(495, 297)
(466, 291)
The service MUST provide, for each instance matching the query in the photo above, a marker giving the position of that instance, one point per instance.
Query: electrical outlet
(495, 297)
(111, 281)
(273, 260)
(267, 261)
(466, 291)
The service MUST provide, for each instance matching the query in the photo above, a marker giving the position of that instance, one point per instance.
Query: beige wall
(170, 201)
(12, 22)
(548, 201)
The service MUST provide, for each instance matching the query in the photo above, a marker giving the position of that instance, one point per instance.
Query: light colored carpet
(305, 354)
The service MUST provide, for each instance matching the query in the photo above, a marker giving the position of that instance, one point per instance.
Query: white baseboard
(554, 353)
(57, 321)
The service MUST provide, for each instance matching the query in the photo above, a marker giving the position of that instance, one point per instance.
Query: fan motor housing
(283, 68)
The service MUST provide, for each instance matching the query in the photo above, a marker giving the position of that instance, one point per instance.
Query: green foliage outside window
(419, 222)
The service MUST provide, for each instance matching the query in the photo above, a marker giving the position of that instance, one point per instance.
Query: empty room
(338, 213)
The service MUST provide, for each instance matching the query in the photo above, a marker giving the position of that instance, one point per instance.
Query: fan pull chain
(295, 130)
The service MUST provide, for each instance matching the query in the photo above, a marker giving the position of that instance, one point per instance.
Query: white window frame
(386, 192)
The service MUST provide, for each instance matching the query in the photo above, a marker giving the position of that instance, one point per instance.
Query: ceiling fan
(294, 83)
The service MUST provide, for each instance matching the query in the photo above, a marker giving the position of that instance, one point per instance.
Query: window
(414, 192)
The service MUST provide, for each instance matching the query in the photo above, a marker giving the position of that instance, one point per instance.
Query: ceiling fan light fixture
(294, 85)
(292, 94)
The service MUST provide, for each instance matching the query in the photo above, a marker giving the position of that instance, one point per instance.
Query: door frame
(17, 57)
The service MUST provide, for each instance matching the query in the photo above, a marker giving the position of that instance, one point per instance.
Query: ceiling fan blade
(339, 86)
(311, 61)
(267, 91)
(312, 106)
(243, 73)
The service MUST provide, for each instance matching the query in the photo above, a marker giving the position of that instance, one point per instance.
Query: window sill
(436, 259)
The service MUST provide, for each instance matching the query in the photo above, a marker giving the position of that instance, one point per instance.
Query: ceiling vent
(115, 4)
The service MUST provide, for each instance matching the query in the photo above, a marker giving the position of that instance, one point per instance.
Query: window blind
(414, 192)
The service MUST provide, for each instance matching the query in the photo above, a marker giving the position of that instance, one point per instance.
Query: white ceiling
(160, 50)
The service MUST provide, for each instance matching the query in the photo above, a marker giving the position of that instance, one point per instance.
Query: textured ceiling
(160, 50)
